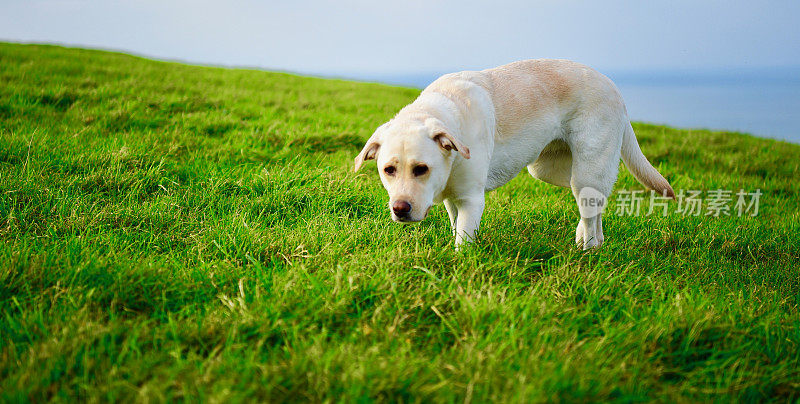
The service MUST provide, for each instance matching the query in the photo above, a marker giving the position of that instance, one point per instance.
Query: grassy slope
(172, 231)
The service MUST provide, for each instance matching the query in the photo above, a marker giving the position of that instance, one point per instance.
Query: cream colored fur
(476, 130)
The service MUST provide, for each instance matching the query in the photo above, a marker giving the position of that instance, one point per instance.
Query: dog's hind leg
(579, 232)
(595, 166)
(599, 234)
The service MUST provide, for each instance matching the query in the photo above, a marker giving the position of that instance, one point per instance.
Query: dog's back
(547, 89)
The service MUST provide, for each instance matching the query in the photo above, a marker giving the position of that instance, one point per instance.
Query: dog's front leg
(468, 219)
(452, 213)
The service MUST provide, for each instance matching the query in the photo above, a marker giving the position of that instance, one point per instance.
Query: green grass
(182, 232)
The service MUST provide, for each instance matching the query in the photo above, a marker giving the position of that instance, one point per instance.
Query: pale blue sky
(352, 37)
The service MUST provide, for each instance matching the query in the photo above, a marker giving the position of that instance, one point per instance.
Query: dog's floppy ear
(370, 149)
(443, 136)
(367, 153)
(448, 142)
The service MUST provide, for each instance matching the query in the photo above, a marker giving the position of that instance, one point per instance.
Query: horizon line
(337, 73)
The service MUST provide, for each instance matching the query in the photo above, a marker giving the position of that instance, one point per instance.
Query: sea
(761, 102)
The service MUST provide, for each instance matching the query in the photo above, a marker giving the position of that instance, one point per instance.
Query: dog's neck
(432, 104)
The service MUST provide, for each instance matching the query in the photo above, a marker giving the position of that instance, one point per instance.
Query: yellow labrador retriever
(471, 132)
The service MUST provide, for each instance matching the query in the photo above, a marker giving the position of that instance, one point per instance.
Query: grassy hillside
(173, 231)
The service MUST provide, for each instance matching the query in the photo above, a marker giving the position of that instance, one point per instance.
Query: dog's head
(414, 159)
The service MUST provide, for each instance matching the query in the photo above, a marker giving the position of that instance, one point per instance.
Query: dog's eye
(389, 170)
(420, 170)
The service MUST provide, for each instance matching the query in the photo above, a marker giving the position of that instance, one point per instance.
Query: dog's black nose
(401, 208)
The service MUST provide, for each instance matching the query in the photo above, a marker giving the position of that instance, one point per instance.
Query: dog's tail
(641, 168)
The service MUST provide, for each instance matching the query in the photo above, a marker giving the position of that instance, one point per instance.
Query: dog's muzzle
(402, 211)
